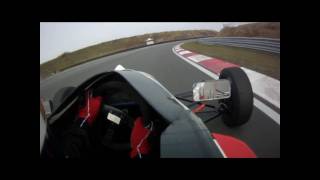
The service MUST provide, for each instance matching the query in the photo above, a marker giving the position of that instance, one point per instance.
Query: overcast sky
(57, 38)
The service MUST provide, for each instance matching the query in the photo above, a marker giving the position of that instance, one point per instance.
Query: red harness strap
(139, 142)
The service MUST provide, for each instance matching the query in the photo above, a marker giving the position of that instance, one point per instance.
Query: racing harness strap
(139, 142)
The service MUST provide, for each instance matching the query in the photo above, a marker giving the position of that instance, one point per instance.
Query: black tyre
(240, 103)
(60, 96)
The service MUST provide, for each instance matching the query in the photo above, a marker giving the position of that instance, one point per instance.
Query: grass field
(256, 60)
(261, 29)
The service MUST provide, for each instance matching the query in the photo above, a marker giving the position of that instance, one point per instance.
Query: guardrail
(263, 44)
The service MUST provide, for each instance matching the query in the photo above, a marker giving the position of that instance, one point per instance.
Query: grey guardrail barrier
(263, 44)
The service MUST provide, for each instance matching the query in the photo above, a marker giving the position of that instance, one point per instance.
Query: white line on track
(267, 110)
(260, 105)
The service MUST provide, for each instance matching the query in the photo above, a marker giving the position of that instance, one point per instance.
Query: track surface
(261, 133)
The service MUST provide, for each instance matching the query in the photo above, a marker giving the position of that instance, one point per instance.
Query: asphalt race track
(261, 133)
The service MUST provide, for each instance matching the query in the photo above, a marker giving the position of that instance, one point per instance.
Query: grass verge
(259, 61)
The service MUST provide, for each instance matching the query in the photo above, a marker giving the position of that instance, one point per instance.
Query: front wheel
(240, 104)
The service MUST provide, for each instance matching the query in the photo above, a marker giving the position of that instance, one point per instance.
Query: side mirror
(211, 90)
